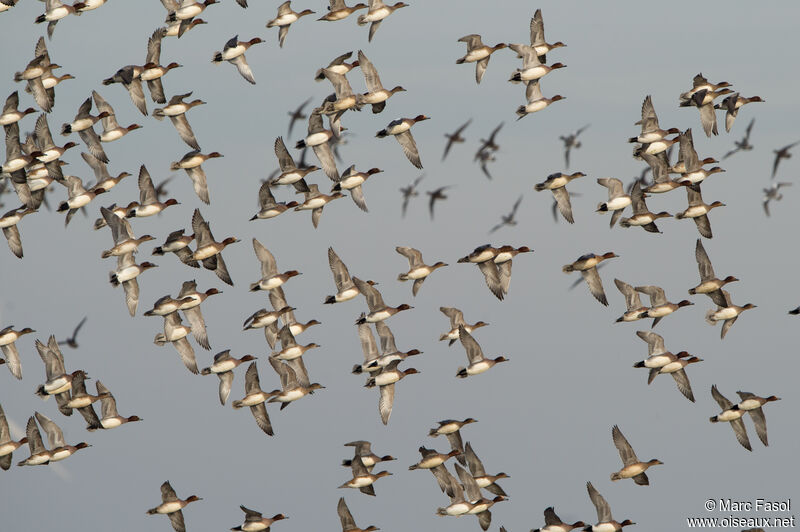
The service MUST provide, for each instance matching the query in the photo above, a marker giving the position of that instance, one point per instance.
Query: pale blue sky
(545, 417)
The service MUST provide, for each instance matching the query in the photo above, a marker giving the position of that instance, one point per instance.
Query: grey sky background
(545, 418)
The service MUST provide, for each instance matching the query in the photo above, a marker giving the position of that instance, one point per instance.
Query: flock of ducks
(33, 165)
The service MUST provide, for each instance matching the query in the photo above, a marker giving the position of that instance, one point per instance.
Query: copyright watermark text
(774, 514)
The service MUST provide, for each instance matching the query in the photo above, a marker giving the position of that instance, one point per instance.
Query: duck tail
(538, 187)
(521, 112)
(402, 277)
(330, 300)
(692, 291)
(602, 207)
(41, 393)
(710, 317)
(300, 144)
(40, 19)
(382, 133)
(362, 21)
(633, 139)
(460, 61)
(175, 166)
(18, 76)
(357, 370)
(66, 129)
(639, 364)
(515, 77)
(432, 433)
(462, 373)
(713, 419)
(625, 222)
(158, 114)
(254, 287)
(217, 58)
(360, 321)
(347, 463)
(112, 277)
(99, 224)
(63, 206)
(105, 254)
(569, 268)
(158, 251)
(615, 476)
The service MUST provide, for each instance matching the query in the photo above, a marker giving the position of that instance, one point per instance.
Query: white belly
(725, 314)
(315, 139)
(114, 134)
(380, 315)
(730, 415)
(79, 201)
(269, 284)
(352, 181)
(285, 20)
(126, 274)
(151, 73)
(111, 422)
(476, 55)
(149, 210)
(176, 333)
(478, 367)
(749, 404)
(387, 378)
(533, 73)
(169, 507)
(618, 203)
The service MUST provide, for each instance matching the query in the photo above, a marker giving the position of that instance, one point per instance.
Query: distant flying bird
(491, 142)
(436, 195)
(409, 192)
(772, 193)
(744, 144)
(296, 115)
(72, 341)
(455, 137)
(508, 219)
(485, 157)
(571, 141)
(782, 153)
